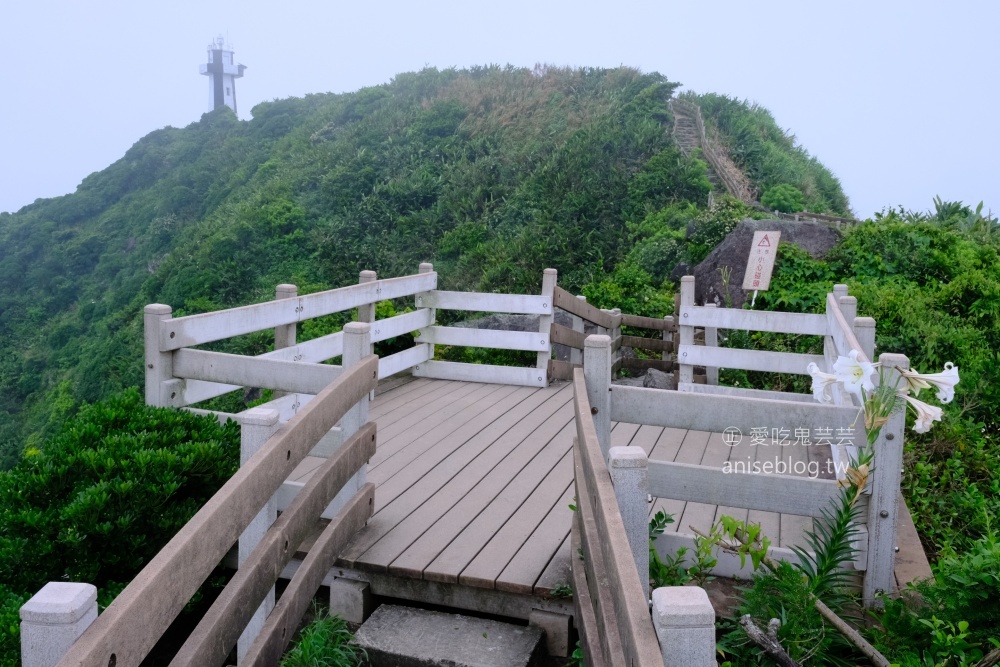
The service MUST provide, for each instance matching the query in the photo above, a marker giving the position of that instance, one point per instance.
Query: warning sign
(763, 249)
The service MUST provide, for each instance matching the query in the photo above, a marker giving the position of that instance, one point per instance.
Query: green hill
(492, 173)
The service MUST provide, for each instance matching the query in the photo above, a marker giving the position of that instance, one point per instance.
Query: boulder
(815, 238)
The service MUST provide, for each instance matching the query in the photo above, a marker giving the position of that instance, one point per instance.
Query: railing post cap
(682, 606)
(260, 417)
(627, 457)
(597, 340)
(687, 279)
(157, 309)
(357, 328)
(864, 322)
(550, 272)
(839, 288)
(287, 287)
(59, 602)
(426, 267)
(370, 275)
(893, 360)
(848, 299)
(581, 297)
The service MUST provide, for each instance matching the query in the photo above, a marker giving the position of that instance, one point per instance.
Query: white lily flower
(944, 381)
(926, 414)
(854, 374)
(820, 383)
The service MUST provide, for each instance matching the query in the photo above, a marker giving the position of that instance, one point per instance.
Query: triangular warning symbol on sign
(764, 242)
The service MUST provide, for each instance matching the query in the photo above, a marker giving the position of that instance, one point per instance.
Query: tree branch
(767, 642)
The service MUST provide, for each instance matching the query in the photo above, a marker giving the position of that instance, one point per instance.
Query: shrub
(98, 501)
(785, 198)
(324, 643)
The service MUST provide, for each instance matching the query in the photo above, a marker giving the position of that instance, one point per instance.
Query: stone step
(397, 636)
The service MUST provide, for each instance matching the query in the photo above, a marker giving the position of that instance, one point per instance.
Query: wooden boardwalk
(474, 482)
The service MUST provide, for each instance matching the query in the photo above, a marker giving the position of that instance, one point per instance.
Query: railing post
(159, 365)
(597, 373)
(684, 621)
(257, 425)
(357, 346)
(616, 333)
(284, 334)
(53, 619)
(840, 289)
(549, 278)
(864, 331)
(711, 340)
(686, 332)
(575, 355)
(427, 267)
(366, 312)
(630, 476)
(849, 307)
(884, 486)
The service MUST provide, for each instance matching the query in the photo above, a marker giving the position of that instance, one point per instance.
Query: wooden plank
(453, 559)
(697, 483)
(558, 571)
(655, 344)
(495, 339)
(705, 412)
(408, 455)
(485, 302)
(446, 521)
(638, 321)
(217, 631)
(562, 370)
(911, 561)
(427, 418)
(755, 320)
(598, 575)
(585, 618)
(450, 370)
(530, 561)
(749, 360)
(627, 591)
(435, 392)
(284, 619)
(207, 327)
(745, 392)
(565, 336)
(386, 403)
(133, 623)
(254, 371)
(436, 480)
(399, 325)
(497, 553)
(701, 514)
(400, 361)
(581, 308)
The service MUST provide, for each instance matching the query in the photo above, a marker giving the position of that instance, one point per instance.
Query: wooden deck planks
(522, 572)
(500, 550)
(454, 558)
(558, 572)
(405, 518)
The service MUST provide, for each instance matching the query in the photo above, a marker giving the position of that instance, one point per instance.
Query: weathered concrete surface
(815, 238)
(405, 637)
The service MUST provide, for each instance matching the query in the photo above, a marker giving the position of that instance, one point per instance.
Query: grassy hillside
(491, 173)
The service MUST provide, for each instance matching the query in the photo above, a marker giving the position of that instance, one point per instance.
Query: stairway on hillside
(688, 138)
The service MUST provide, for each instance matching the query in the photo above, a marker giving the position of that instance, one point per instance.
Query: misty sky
(899, 99)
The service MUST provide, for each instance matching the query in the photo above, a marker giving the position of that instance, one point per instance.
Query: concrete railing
(611, 580)
(717, 408)
(242, 614)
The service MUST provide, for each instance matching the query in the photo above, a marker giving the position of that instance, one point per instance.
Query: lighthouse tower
(222, 73)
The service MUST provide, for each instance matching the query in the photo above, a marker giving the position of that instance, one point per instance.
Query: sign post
(763, 250)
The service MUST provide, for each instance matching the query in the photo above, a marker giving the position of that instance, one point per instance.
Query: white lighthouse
(222, 73)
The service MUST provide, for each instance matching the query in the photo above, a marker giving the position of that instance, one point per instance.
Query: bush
(785, 198)
(324, 643)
